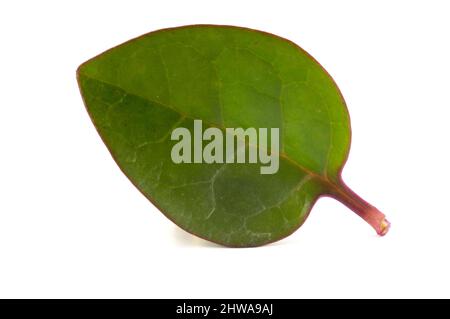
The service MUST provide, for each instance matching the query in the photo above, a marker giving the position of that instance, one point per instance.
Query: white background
(72, 225)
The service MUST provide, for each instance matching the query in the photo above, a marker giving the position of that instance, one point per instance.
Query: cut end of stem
(375, 218)
(384, 227)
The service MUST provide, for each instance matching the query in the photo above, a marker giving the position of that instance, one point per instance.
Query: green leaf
(228, 77)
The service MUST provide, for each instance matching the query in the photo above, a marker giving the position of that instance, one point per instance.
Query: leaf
(228, 77)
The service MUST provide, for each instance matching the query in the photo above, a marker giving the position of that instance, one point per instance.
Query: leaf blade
(158, 87)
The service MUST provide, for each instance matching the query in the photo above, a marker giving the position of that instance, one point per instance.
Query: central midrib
(323, 179)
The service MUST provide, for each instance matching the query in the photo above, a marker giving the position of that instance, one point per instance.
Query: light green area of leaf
(139, 91)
